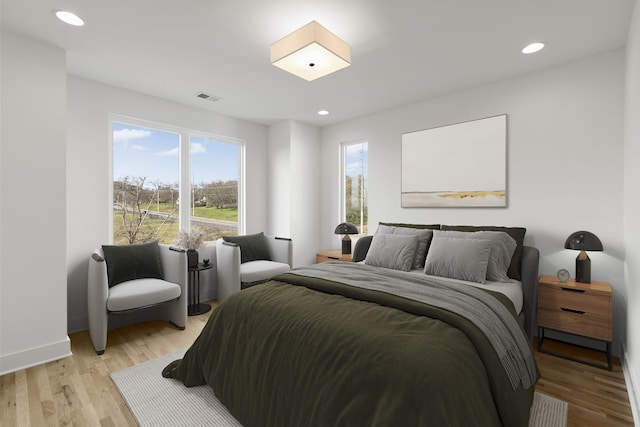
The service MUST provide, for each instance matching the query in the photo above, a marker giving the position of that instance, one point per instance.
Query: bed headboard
(529, 271)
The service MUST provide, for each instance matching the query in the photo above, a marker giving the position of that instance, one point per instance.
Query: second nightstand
(577, 308)
(327, 256)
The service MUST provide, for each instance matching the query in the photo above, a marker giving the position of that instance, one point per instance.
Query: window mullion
(185, 181)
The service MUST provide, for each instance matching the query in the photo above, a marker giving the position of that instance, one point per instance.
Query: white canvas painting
(459, 165)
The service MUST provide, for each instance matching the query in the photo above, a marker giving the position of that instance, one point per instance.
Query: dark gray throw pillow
(419, 226)
(253, 247)
(129, 262)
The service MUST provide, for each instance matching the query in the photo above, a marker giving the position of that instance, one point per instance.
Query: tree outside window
(356, 170)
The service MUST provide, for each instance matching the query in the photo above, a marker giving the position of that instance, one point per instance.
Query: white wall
(33, 309)
(88, 166)
(565, 162)
(279, 180)
(305, 186)
(294, 169)
(631, 335)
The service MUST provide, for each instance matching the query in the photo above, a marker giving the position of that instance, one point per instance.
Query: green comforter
(303, 351)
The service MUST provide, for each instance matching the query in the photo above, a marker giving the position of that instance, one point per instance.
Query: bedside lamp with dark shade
(346, 228)
(583, 241)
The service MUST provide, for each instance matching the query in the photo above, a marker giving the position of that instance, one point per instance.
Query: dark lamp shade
(583, 241)
(346, 228)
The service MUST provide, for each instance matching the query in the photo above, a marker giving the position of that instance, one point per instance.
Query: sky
(355, 153)
(154, 154)
(144, 152)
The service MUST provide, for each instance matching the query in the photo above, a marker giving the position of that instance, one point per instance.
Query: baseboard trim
(36, 356)
(631, 386)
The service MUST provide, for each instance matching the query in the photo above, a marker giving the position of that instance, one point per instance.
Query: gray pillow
(463, 259)
(392, 251)
(253, 247)
(129, 262)
(424, 239)
(502, 249)
(517, 233)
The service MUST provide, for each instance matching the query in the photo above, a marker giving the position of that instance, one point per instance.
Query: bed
(362, 344)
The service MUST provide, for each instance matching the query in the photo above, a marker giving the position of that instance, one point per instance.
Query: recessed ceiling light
(323, 112)
(69, 18)
(533, 48)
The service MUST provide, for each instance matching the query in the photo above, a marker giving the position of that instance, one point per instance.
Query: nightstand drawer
(585, 324)
(581, 312)
(328, 256)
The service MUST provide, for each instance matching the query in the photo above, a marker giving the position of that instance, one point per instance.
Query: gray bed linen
(488, 314)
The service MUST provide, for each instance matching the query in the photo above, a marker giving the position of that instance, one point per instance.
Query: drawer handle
(333, 257)
(570, 310)
(573, 290)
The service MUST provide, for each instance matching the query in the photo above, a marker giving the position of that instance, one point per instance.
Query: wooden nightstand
(576, 308)
(332, 256)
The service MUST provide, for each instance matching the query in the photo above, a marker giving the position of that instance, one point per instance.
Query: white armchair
(234, 275)
(138, 294)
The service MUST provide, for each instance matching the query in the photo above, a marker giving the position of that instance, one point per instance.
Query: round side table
(195, 307)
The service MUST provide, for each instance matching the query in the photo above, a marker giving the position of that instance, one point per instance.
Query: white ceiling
(402, 51)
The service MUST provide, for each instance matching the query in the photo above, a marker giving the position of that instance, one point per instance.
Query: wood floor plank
(78, 390)
(36, 415)
(8, 400)
(22, 399)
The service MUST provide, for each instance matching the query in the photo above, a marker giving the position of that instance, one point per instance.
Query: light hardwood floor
(78, 390)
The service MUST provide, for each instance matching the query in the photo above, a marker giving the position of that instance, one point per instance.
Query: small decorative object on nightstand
(576, 308)
(346, 228)
(583, 241)
(563, 275)
(327, 256)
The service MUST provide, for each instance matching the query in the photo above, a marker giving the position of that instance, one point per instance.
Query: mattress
(512, 289)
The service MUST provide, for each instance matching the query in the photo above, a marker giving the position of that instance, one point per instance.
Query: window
(159, 189)
(355, 171)
(215, 186)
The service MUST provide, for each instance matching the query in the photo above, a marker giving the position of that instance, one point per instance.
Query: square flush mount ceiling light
(311, 52)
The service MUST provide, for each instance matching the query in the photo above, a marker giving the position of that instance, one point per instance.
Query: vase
(192, 258)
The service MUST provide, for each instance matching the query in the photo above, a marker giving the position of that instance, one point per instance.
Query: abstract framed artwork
(458, 165)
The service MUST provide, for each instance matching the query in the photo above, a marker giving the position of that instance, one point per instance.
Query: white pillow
(463, 259)
(392, 251)
(502, 248)
(424, 239)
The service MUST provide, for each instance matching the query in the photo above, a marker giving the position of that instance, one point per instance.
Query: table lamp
(583, 241)
(346, 228)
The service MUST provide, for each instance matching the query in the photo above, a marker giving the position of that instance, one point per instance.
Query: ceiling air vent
(208, 97)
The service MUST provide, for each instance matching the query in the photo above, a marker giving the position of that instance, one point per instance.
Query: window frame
(184, 168)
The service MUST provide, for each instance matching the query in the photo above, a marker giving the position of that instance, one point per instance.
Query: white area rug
(157, 401)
